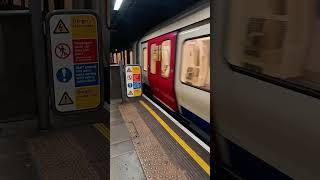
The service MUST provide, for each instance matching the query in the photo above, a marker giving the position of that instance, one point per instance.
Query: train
(265, 64)
(175, 61)
(265, 69)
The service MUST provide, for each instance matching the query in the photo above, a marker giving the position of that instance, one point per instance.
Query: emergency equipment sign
(74, 51)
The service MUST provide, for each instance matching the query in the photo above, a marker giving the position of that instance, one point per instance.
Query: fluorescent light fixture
(117, 5)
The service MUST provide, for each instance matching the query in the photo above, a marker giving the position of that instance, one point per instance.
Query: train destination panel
(75, 61)
(133, 81)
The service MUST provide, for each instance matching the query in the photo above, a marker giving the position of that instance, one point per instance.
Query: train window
(14, 4)
(195, 66)
(277, 40)
(154, 58)
(115, 58)
(145, 59)
(165, 58)
(131, 57)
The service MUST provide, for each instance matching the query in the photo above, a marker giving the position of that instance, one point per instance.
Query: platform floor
(139, 143)
(148, 143)
(73, 153)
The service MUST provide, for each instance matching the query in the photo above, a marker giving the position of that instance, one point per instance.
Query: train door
(161, 68)
(144, 62)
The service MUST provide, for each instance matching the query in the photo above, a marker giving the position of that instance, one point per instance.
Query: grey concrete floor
(123, 158)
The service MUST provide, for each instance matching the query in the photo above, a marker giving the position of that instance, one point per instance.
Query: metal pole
(103, 10)
(78, 4)
(122, 81)
(2, 62)
(39, 60)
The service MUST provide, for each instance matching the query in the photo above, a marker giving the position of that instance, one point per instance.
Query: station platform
(141, 142)
(73, 153)
(146, 143)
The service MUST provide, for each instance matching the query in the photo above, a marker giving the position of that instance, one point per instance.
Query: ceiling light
(117, 5)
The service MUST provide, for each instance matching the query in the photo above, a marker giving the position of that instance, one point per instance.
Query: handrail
(14, 12)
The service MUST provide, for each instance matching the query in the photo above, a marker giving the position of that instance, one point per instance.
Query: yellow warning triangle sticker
(60, 28)
(129, 70)
(130, 93)
(65, 100)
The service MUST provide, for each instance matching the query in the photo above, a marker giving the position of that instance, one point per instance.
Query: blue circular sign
(64, 75)
(130, 85)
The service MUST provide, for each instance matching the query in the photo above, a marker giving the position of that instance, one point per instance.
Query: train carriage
(175, 59)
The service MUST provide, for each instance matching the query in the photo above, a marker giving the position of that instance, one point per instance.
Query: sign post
(133, 80)
(73, 41)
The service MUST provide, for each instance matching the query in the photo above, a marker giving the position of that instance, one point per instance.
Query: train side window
(195, 66)
(145, 59)
(165, 58)
(277, 41)
(154, 58)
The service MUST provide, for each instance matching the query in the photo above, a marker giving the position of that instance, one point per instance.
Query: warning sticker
(86, 75)
(64, 75)
(136, 70)
(133, 80)
(130, 94)
(137, 92)
(136, 77)
(129, 77)
(75, 60)
(65, 100)
(88, 97)
(84, 27)
(85, 50)
(62, 51)
(60, 28)
(136, 85)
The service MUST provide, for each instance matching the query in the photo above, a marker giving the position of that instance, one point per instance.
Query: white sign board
(133, 81)
(75, 61)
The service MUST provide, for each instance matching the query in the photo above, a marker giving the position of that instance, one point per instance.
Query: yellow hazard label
(84, 26)
(137, 92)
(60, 28)
(136, 69)
(65, 99)
(130, 93)
(88, 97)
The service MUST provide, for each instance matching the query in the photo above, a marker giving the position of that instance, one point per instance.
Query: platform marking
(176, 137)
(194, 137)
(103, 130)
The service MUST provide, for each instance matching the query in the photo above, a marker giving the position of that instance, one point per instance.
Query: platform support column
(40, 66)
(123, 86)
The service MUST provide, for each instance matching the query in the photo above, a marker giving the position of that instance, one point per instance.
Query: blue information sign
(86, 75)
(136, 85)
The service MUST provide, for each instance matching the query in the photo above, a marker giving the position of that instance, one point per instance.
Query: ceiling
(137, 17)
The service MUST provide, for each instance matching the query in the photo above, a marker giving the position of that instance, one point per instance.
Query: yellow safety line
(182, 143)
(103, 130)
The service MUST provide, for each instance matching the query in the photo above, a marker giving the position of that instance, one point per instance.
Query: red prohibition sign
(62, 51)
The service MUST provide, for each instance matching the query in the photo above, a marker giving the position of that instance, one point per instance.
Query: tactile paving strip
(58, 156)
(154, 160)
(176, 153)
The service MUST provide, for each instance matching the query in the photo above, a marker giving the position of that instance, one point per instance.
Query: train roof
(199, 12)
